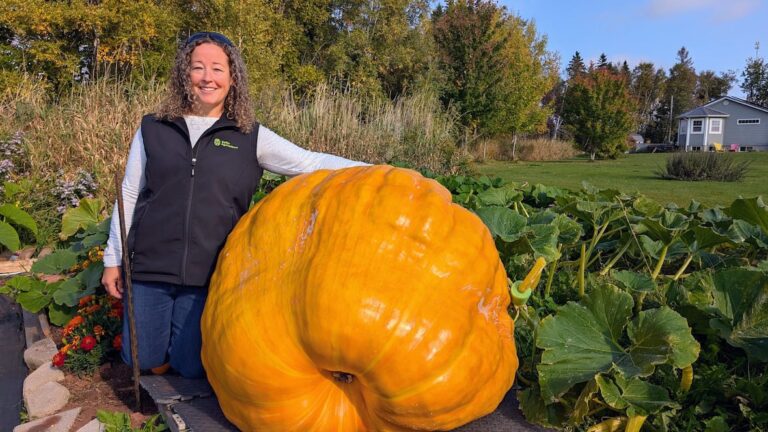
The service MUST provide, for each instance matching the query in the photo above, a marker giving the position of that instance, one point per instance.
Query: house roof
(703, 111)
(739, 101)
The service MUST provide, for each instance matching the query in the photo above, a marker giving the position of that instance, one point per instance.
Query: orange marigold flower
(98, 330)
(117, 342)
(85, 300)
(75, 340)
(91, 309)
(88, 343)
(74, 322)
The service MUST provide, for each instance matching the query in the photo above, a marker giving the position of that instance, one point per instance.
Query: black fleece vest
(192, 199)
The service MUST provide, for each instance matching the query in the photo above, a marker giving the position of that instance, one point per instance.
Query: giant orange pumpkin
(360, 299)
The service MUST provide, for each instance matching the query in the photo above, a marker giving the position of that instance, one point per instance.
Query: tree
(602, 62)
(496, 67)
(647, 89)
(711, 86)
(576, 66)
(755, 75)
(598, 112)
(60, 40)
(679, 90)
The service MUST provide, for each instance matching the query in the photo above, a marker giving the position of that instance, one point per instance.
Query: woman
(192, 169)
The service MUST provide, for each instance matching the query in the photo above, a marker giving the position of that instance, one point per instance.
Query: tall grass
(413, 130)
(526, 149)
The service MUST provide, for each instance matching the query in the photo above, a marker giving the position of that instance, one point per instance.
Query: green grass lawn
(635, 173)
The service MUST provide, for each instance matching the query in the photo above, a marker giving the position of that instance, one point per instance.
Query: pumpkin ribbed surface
(360, 299)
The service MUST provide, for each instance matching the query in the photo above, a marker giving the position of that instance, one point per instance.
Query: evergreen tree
(755, 79)
(576, 66)
(679, 92)
(602, 62)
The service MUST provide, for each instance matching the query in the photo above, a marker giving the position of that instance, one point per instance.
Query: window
(748, 121)
(697, 126)
(746, 148)
(716, 126)
(696, 148)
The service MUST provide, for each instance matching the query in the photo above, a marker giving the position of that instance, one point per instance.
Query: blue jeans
(168, 326)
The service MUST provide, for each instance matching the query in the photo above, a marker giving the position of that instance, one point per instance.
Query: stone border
(43, 396)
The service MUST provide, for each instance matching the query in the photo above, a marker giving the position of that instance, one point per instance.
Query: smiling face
(211, 79)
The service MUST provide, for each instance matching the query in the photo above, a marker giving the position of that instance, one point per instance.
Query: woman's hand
(113, 281)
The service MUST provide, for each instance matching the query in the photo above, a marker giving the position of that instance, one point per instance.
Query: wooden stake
(128, 293)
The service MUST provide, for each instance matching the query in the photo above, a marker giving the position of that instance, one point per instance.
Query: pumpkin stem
(342, 377)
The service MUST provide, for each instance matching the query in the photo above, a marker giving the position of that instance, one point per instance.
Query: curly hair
(180, 100)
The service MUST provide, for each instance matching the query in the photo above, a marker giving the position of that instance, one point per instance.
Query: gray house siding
(745, 135)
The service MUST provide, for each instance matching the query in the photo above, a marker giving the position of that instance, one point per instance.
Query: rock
(93, 426)
(26, 253)
(61, 422)
(46, 400)
(40, 353)
(45, 251)
(43, 374)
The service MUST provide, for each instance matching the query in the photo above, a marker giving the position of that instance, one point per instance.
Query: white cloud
(718, 9)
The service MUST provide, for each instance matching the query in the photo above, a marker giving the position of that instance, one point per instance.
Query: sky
(719, 34)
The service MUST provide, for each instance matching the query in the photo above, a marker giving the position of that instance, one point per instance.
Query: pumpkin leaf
(542, 240)
(60, 314)
(9, 237)
(502, 196)
(503, 223)
(538, 412)
(706, 238)
(659, 336)
(57, 262)
(581, 340)
(641, 282)
(740, 297)
(582, 406)
(70, 292)
(80, 217)
(752, 210)
(587, 338)
(21, 284)
(19, 217)
(634, 394)
(37, 297)
(91, 276)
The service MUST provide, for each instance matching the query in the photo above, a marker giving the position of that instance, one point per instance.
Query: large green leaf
(659, 336)
(80, 217)
(57, 262)
(21, 284)
(502, 196)
(580, 341)
(752, 210)
(60, 314)
(538, 412)
(91, 277)
(503, 222)
(583, 340)
(638, 396)
(634, 281)
(70, 292)
(9, 237)
(19, 217)
(706, 238)
(740, 296)
(543, 241)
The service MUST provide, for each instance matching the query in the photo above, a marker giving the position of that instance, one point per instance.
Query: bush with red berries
(91, 336)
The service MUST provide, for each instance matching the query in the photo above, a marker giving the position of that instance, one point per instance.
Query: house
(729, 123)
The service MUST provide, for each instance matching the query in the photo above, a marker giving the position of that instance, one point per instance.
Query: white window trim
(693, 125)
(740, 122)
(719, 123)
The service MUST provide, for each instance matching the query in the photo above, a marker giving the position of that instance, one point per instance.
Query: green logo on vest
(218, 142)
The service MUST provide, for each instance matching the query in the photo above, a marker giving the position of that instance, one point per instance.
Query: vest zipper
(188, 214)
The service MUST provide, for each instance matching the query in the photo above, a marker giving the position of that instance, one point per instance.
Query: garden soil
(110, 388)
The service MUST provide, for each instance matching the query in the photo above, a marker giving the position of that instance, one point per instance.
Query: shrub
(703, 166)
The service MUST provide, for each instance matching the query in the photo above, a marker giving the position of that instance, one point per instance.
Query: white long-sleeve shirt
(274, 153)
